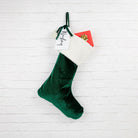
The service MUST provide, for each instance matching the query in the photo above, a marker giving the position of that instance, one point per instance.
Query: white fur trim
(78, 50)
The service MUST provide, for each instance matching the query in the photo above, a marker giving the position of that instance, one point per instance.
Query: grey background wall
(106, 84)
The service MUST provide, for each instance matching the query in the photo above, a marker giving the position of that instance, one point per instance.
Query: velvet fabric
(57, 88)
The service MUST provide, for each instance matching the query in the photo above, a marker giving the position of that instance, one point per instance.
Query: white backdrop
(106, 85)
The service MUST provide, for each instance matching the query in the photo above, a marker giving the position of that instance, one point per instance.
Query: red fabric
(88, 33)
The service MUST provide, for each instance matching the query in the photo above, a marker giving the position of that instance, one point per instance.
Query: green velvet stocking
(57, 88)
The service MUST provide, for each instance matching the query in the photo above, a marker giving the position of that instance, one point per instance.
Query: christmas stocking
(57, 88)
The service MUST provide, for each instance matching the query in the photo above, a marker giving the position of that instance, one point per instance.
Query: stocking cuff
(78, 50)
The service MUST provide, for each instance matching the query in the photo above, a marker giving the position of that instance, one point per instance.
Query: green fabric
(57, 88)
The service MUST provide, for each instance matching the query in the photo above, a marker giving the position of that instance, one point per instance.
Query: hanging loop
(64, 26)
(67, 19)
